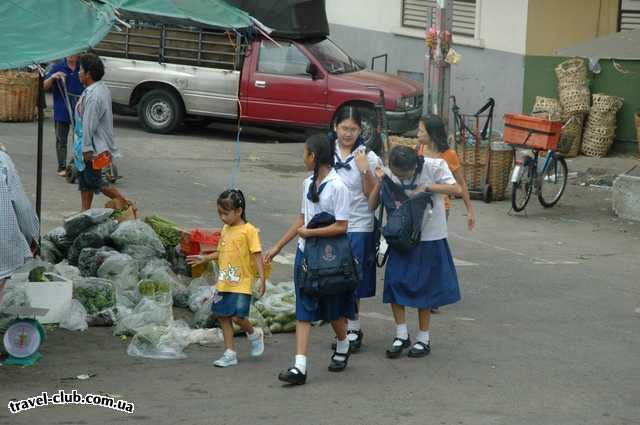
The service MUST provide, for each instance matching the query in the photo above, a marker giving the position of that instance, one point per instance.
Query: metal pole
(438, 75)
(39, 155)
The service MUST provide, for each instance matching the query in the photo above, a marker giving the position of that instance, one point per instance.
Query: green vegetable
(37, 274)
(94, 294)
(151, 289)
(166, 230)
(119, 213)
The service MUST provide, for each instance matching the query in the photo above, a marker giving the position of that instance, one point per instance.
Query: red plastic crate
(531, 132)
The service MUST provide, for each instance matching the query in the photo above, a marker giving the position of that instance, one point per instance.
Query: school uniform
(335, 199)
(426, 277)
(361, 219)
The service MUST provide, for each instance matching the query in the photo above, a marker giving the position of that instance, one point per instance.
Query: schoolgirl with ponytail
(322, 192)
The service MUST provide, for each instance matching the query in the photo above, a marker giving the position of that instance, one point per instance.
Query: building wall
(492, 64)
(554, 24)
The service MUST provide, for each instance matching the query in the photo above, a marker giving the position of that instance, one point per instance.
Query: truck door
(282, 91)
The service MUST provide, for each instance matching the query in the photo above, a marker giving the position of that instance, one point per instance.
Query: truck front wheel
(160, 111)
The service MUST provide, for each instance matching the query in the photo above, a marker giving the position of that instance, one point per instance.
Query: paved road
(545, 334)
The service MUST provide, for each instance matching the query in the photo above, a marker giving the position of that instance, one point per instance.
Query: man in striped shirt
(19, 226)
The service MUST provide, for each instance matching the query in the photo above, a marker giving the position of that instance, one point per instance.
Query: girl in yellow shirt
(239, 257)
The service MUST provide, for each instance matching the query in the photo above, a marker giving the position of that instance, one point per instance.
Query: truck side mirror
(313, 70)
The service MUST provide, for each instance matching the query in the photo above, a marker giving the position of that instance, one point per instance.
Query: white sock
(423, 337)
(353, 325)
(301, 364)
(342, 347)
(230, 352)
(401, 331)
(255, 335)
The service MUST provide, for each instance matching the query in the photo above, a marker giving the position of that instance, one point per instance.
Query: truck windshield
(334, 60)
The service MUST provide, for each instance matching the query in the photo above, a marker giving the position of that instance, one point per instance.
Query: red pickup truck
(282, 82)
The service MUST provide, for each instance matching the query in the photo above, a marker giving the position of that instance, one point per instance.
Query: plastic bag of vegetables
(79, 223)
(59, 238)
(95, 237)
(94, 294)
(136, 232)
(147, 312)
(91, 259)
(76, 318)
(161, 342)
(122, 270)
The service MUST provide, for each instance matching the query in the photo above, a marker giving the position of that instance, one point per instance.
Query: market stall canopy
(289, 18)
(207, 13)
(622, 45)
(40, 31)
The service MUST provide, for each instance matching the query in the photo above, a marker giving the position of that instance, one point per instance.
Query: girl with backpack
(323, 192)
(356, 167)
(432, 136)
(424, 277)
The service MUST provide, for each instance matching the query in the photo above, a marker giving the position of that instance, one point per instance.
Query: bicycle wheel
(553, 182)
(521, 190)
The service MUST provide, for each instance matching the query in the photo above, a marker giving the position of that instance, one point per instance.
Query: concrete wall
(555, 24)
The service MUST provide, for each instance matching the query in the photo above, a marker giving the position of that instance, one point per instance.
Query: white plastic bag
(76, 318)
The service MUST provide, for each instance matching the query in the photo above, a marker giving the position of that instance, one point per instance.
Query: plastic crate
(531, 132)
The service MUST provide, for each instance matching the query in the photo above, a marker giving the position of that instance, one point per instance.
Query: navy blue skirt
(425, 278)
(327, 308)
(363, 246)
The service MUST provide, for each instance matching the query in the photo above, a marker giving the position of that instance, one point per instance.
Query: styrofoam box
(55, 295)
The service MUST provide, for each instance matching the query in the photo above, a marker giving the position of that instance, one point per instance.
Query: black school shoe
(354, 345)
(337, 365)
(396, 350)
(293, 376)
(422, 351)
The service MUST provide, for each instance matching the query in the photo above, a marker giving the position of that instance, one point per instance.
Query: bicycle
(380, 142)
(549, 179)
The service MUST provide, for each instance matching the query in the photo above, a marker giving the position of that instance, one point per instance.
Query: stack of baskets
(600, 129)
(18, 96)
(575, 100)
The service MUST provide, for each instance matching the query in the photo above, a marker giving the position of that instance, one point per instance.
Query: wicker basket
(402, 141)
(575, 100)
(572, 69)
(596, 146)
(18, 96)
(571, 137)
(500, 171)
(603, 103)
(546, 107)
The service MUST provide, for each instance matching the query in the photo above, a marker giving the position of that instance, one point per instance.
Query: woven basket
(596, 146)
(500, 169)
(571, 137)
(546, 107)
(575, 100)
(18, 96)
(602, 119)
(575, 69)
(402, 141)
(603, 103)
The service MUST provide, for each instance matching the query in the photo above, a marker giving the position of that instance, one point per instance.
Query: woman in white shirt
(356, 167)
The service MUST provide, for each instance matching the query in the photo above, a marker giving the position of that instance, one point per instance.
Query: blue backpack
(404, 214)
(328, 267)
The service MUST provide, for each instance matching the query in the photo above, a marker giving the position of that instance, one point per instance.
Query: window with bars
(415, 12)
(629, 17)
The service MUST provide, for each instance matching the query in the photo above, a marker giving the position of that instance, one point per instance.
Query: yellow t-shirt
(237, 265)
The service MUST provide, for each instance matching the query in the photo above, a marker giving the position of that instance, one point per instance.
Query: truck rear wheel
(160, 111)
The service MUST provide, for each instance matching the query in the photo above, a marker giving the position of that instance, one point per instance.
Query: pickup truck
(171, 74)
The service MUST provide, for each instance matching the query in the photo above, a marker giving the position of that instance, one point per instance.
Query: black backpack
(328, 267)
(404, 214)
